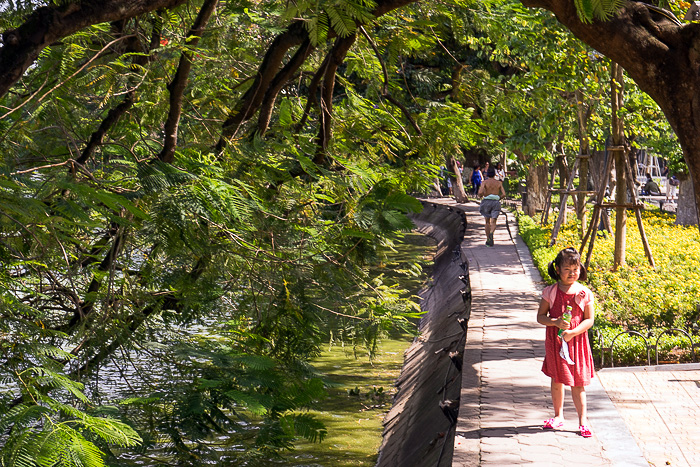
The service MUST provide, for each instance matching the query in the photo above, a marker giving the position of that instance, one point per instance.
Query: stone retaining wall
(419, 428)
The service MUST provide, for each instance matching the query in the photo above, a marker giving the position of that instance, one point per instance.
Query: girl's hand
(561, 324)
(567, 335)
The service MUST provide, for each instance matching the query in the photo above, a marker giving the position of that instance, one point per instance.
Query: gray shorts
(490, 208)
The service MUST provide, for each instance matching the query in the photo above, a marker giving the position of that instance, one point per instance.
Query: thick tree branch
(97, 137)
(311, 100)
(295, 35)
(134, 45)
(251, 100)
(385, 86)
(179, 83)
(21, 46)
(279, 82)
(335, 59)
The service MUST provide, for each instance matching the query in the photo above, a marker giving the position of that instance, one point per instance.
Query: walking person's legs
(491, 227)
(487, 230)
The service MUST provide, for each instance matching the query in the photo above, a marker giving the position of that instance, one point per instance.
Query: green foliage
(42, 431)
(603, 10)
(340, 17)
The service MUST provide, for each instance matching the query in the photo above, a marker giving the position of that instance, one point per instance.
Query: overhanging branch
(179, 83)
(46, 25)
(385, 86)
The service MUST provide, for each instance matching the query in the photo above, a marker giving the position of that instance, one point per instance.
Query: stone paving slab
(661, 407)
(505, 396)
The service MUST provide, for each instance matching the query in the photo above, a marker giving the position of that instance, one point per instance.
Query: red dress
(554, 366)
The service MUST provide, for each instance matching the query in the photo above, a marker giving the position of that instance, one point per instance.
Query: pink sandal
(585, 431)
(550, 424)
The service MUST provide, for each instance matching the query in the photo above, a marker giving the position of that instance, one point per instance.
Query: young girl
(567, 269)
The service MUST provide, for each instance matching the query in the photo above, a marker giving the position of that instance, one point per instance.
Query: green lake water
(362, 389)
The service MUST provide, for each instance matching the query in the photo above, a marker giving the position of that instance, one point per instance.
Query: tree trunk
(49, 24)
(177, 86)
(564, 170)
(659, 54)
(686, 212)
(537, 185)
(618, 139)
(436, 188)
(457, 185)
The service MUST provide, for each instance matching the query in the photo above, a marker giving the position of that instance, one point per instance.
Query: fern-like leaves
(45, 432)
(603, 10)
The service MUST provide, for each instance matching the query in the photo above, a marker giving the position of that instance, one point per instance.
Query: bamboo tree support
(565, 197)
(601, 204)
(548, 204)
(595, 218)
(638, 212)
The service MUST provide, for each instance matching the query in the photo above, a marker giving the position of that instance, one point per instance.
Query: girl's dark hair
(566, 256)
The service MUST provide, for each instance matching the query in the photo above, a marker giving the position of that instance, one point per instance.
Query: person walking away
(477, 179)
(567, 294)
(672, 183)
(492, 191)
(672, 187)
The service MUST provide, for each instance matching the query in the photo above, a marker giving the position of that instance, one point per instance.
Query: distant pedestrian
(490, 207)
(672, 184)
(500, 173)
(577, 373)
(477, 179)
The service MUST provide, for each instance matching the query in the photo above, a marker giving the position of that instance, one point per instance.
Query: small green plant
(376, 394)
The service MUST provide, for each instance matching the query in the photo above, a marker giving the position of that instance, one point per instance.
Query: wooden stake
(562, 207)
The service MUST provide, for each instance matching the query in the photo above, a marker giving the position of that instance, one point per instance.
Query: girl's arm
(544, 318)
(584, 325)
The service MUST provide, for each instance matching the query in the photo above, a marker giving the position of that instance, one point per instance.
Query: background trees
(658, 52)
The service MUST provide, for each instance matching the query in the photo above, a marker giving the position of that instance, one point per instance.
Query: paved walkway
(645, 418)
(661, 407)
